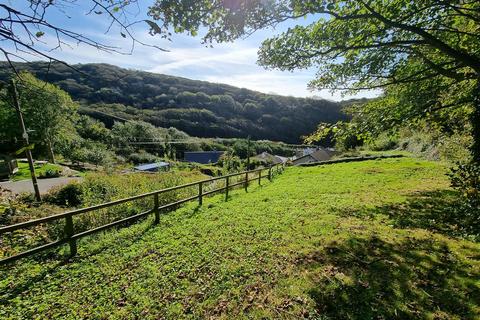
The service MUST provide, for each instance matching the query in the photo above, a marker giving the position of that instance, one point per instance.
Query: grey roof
(318, 155)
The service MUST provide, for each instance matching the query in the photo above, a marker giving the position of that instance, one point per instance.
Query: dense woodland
(198, 108)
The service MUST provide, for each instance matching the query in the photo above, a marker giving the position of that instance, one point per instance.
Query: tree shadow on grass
(377, 279)
(47, 263)
(441, 211)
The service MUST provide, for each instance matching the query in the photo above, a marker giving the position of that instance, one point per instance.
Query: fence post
(69, 234)
(227, 184)
(246, 181)
(260, 177)
(155, 208)
(270, 173)
(200, 193)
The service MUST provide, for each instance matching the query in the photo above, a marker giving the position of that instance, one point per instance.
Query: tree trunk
(51, 156)
(475, 119)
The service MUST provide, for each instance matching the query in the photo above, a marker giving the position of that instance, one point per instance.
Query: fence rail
(71, 237)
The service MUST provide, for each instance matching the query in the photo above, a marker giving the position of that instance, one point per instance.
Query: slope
(344, 241)
(199, 108)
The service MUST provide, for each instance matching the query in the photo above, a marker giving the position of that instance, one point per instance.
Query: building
(319, 155)
(153, 167)
(268, 158)
(282, 159)
(203, 157)
(304, 152)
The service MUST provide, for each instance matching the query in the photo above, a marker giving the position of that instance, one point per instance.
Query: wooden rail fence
(70, 237)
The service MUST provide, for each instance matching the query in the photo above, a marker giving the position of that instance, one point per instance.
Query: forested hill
(199, 108)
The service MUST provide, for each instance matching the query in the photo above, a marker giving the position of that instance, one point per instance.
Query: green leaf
(154, 26)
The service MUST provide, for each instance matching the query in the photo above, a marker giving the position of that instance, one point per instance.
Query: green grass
(24, 171)
(329, 242)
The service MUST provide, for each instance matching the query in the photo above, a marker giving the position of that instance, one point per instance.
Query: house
(268, 158)
(153, 167)
(282, 159)
(8, 166)
(305, 151)
(203, 157)
(320, 154)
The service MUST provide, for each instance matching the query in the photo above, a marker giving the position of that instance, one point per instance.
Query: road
(44, 185)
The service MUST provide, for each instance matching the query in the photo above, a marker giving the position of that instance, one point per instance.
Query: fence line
(69, 232)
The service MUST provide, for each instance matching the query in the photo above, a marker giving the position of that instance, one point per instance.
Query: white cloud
(233, 63)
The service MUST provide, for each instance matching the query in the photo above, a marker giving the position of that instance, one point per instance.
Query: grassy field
(40, 170)
(367, 240)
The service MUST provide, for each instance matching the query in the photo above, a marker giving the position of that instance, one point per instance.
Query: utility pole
(248, 153)
(16, 104)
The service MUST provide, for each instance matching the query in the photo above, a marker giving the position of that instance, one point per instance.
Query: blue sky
(232, 63)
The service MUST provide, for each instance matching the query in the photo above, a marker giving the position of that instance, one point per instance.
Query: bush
(68, 195)
(98, 155)
(466, 179)
(49, 173)
(230, 163)
(142, 157)
(434, 145)
(383, 142)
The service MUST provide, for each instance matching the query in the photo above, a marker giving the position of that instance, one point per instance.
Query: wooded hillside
(199, 108)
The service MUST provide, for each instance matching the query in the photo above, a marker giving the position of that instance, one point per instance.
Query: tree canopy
(27, 28)
(429, 50)
(47, 110)
(199, 108)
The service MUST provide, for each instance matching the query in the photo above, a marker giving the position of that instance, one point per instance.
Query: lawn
(366, 240)
(40, 170)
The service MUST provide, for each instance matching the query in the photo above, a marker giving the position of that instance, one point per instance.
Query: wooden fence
(71, 237)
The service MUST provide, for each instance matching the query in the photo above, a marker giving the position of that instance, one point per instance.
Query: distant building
(153, 167)
(282, 159)
(203, 157)
(304, 152)
(268, 158)
(318, 155)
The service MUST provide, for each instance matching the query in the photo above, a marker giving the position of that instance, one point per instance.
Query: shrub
(99, 156)
(67, 195)
(434, 145)
(142, 157)
(466, 179)
(383, 142)
(49, 173)
(230, 163)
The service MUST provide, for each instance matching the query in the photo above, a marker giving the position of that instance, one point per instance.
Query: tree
(355, 45)
(133, 136)
(89, 128)
(48, 111)
(23, 25)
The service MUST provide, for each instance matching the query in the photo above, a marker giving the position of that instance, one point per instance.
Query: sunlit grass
(40, 169)
(319, 242)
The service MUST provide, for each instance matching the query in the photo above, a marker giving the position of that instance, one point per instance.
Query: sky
(231, 63)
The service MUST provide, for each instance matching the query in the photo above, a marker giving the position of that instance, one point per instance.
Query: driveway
(44, 185)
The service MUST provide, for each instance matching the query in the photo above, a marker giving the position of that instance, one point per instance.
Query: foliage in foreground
(346, 241)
